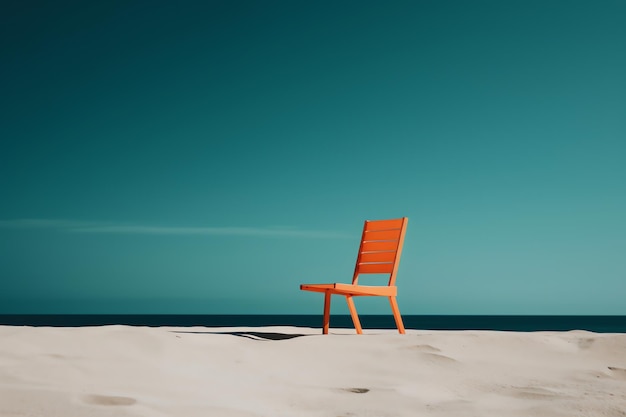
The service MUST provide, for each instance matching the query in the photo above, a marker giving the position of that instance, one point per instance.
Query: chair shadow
(259, 336)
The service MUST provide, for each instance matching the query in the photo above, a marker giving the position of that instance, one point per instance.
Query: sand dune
(287, 371)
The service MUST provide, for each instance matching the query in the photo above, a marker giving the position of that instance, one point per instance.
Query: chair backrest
(381, 247)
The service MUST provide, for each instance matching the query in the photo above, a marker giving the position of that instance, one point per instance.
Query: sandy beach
(289, 371)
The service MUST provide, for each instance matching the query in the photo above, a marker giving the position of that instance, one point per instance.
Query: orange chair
(379, 253)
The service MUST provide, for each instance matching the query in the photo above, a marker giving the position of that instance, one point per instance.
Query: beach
(293, 371)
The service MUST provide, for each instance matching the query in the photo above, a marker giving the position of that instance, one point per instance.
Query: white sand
(187, 372)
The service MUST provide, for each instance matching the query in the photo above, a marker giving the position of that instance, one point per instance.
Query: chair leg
(396, 314)
(355, 316)
(326, 323)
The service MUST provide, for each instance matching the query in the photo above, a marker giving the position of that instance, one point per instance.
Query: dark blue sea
(598, 324)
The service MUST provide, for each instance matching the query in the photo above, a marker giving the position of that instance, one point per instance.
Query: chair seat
(350, 289)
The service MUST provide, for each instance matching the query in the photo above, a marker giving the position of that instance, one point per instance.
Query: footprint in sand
(619, 373)
(96, 399)
(586, 342)
(357, 390)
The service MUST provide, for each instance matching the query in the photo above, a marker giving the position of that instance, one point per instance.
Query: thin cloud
(73, 226)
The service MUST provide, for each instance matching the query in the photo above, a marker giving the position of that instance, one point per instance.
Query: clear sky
(210, 156)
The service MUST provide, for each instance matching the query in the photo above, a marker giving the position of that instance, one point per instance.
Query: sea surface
(598, 324)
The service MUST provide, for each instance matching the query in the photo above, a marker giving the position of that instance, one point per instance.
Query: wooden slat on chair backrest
(380, 249)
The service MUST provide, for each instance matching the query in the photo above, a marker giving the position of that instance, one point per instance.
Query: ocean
(598, 324)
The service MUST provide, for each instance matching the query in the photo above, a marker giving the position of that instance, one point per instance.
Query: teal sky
(209, 156)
